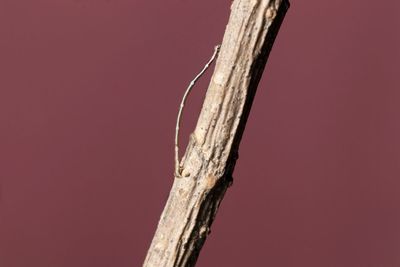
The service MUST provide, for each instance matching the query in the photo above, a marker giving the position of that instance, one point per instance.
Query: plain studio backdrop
(89, 93)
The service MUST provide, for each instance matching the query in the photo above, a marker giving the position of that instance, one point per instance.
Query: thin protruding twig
(178, 167)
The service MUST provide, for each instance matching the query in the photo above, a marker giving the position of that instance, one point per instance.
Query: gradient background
(89, 92)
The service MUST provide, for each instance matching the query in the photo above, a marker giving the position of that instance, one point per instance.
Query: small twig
(178, 167)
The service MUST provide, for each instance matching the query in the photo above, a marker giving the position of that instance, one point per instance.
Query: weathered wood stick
(210, 157)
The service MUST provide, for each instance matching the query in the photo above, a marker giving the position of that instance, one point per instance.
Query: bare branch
(210, 157)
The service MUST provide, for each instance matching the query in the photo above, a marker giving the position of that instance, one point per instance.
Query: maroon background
(89, 92)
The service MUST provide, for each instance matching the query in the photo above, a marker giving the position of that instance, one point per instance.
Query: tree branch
(210, 157)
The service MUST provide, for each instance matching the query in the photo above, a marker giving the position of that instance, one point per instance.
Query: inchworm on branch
(178, 167)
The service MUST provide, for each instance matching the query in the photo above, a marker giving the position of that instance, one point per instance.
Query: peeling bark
(210, 157)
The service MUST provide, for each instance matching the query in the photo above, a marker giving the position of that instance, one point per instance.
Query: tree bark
(210, 157)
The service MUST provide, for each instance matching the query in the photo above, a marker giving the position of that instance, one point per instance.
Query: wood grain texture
(213, 147)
